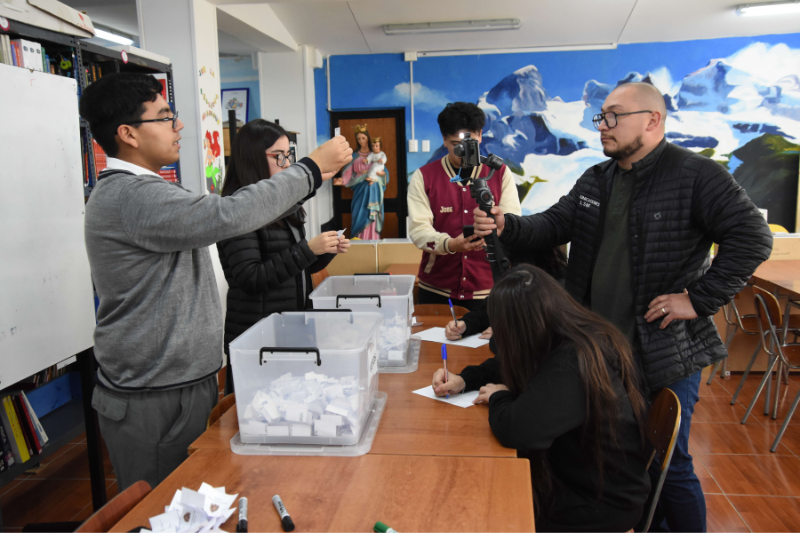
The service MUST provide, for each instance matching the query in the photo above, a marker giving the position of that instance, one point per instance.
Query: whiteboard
(46, 296)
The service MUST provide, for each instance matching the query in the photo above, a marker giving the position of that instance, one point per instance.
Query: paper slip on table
(410, 424)
(409, 493)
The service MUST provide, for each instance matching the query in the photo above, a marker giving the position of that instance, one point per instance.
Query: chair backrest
(319, 277)
(777, 228)
(772, 307)
(112, 512)
(439, 309)
(663, 423)
(221, 408)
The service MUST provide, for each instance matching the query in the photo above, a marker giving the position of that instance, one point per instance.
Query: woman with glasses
(269, 270)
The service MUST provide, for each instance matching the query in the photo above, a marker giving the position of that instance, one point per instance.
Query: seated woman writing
(563, 391)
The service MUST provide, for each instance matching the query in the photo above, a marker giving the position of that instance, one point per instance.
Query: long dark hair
(531, 315)
(249, 163)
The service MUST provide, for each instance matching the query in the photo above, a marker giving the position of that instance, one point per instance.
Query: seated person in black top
(563, 390)
(553, 261)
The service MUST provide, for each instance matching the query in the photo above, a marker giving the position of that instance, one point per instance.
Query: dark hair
(116, 99)
(461, 116)
(531, 315)
(369, 141)
(249, 165)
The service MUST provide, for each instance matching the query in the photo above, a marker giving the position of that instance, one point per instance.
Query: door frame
(399, 205)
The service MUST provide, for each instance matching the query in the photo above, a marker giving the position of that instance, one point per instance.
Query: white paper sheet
(461, 400)
(437, 335)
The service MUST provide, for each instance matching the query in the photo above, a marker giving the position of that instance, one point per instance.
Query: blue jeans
(681, 506)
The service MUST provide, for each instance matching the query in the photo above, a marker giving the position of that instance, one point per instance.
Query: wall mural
(734, 100)
(211, 127)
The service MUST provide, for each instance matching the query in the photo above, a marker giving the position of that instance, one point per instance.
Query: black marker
(241, 527)
(286, 520)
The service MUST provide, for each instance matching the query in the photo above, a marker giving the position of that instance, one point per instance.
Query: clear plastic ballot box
(306, 377)
(392, 296)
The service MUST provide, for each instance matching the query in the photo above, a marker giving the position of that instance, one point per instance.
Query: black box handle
(369, 296)
(288, 350)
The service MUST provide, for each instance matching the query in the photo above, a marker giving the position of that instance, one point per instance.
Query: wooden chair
(746, 323)
(770, 321)
(221, 408)
(319, 277)
(112, 512)
(439, 309)
(663, 423)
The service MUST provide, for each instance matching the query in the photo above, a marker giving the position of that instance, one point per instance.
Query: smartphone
(469, 231)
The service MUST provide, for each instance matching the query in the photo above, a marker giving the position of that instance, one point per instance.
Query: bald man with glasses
(641, 225)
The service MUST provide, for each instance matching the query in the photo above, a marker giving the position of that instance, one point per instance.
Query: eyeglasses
(610, 118)
(281, 158)
(173, 119)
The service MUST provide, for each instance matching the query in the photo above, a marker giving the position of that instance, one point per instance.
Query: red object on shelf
(100, 158)
(169, 174)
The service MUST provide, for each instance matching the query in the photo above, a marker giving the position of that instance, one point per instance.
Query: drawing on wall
(236, 100)
(212, 152)
(367, 176)
(735, 100)
(210, 127)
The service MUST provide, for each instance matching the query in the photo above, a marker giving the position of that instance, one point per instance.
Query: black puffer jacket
(264, 271)
(683, 203)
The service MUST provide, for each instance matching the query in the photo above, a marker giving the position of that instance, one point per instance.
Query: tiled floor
(747, 488)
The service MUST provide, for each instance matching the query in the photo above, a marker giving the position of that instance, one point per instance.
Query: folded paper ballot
(195, 511)
(295, 405)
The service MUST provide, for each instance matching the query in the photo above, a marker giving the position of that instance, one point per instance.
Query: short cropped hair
(461, 116)
(113, 100)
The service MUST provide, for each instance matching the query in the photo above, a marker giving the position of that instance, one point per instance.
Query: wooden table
(410, 493)
(411, 424)
(784, 275)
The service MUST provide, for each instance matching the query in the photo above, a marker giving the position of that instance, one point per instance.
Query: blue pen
(444, 359)
(452, 312)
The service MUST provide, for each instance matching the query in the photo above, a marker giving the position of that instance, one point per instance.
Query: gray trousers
(147, 433)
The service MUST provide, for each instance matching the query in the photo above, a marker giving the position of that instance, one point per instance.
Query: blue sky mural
(736, 100)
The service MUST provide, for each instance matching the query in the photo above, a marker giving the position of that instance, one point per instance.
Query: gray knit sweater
(159, 322)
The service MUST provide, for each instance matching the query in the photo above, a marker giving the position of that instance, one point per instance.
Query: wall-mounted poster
(236, 99)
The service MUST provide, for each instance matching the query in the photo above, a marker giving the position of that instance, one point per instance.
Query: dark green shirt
(612, 284)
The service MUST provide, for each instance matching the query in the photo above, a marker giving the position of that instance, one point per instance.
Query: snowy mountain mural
(731, 110)
(736, 100)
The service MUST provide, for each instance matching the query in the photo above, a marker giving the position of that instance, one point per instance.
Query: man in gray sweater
(158, 339)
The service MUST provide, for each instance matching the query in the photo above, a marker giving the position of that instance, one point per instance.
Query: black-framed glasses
(281, 158)
(173, 119)
(610, 118)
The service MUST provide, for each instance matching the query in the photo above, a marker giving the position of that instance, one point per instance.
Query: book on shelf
(37, 425)
(23, 424)
(29, 54)
(8, 456)
(9, 417)
(27, 424)
(100, 159)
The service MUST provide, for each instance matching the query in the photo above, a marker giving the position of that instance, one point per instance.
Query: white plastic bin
(393, 296)
(307, 377)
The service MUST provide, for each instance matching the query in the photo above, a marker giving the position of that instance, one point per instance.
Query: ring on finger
(663, 310)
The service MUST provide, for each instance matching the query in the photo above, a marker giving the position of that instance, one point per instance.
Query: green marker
(380, 527)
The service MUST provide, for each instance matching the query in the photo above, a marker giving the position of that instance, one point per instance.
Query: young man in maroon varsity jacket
(454, 266)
